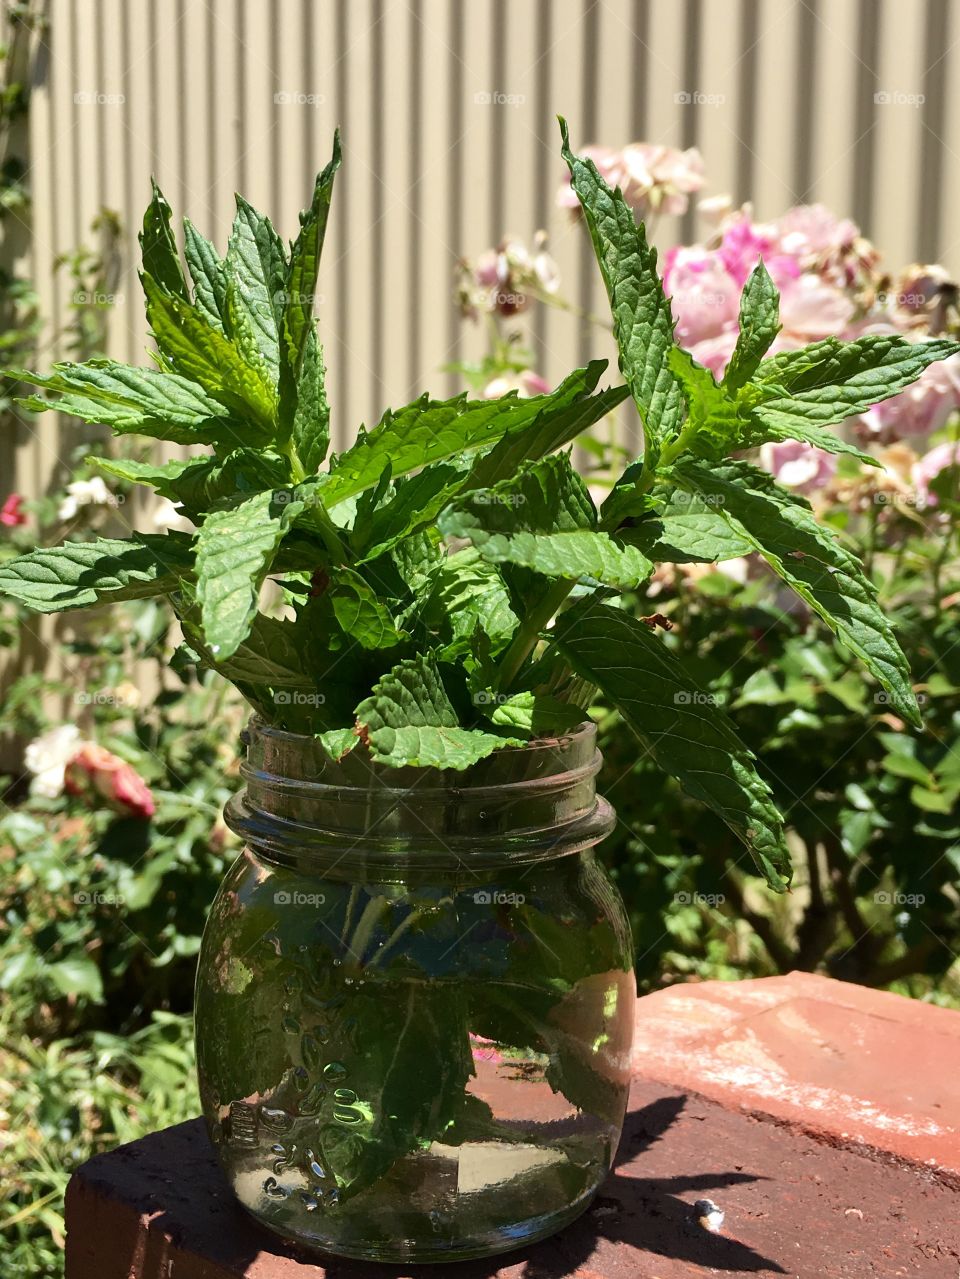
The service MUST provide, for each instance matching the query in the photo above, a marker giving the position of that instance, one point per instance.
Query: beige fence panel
(447, 110)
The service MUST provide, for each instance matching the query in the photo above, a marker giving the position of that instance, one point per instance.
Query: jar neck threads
(520, 804)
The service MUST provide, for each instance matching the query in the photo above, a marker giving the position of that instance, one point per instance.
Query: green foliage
(255, 272)
(642, 320)
(366, 550)
(544, 519)
(678, 724)
(410, 719)
(870, 804)
(140, 889)
(160, 404)
(811, 559)
(222, 364)
(235, 548)
(79, 574)
(713, 426)
(311, 419)
(158, 248)
(74, 1098)
(416, 649)
(759, 324)
(828, 381)
(300, 275)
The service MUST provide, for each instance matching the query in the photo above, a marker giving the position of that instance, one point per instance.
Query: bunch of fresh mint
(423, 567)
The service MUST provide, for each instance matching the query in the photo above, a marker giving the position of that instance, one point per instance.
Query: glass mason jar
(415, 999)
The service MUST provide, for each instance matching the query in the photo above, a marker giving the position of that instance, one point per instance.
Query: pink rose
(831, 247)
(811, 231)
(96, 772)
(798, 466)
(11, 513)
(659, 179)
(653, 179)
(704, 297)
(714, 353)
(744, 243)
(920, 287)
(811, 309)
(929, 467)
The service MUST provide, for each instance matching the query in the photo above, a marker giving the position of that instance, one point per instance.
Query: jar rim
(520, 803)
(560, 746)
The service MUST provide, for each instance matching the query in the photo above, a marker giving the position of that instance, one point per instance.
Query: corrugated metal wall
(447, 110)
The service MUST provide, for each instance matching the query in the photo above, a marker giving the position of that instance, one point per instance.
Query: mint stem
(528, 634)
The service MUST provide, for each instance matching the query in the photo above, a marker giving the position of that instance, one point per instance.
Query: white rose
(168, 515)
(47, 756)
(92, 492)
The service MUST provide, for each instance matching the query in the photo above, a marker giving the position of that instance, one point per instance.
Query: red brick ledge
(848, 1064)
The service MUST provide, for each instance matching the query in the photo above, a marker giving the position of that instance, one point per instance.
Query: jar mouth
(518, 804)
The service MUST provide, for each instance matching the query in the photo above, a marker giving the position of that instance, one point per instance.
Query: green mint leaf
(829, 381)
(544, 520)
(284, 674)
(206, 272)
(755, 432)
(412, 1079)
(360, 614)
(433, 430)
(257, 264)
(209, 482)
(415, 503)
(129, 400)
(712, 425)
(284, 669)
(688, 736)
(410, 720)
(469, 595)
(626, 501)
(405, 574)
(418, 501)
(642, 319)
(759, 325)
(272, 654)
(811, 560)
(241, 330)
(533, 714)
(82, 574)
(418, 559)
(301, 282)
(203, 483)
(158, 476)
(686, 529)
(235, 549)
(205, 355)
(311, 418)
(555, 426)
(158, 248)
(337, 742)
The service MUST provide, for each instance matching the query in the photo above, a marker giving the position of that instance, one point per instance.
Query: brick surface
(160, 1209)
(847, 1063)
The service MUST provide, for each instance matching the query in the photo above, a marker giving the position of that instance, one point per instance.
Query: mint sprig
(429, 569)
